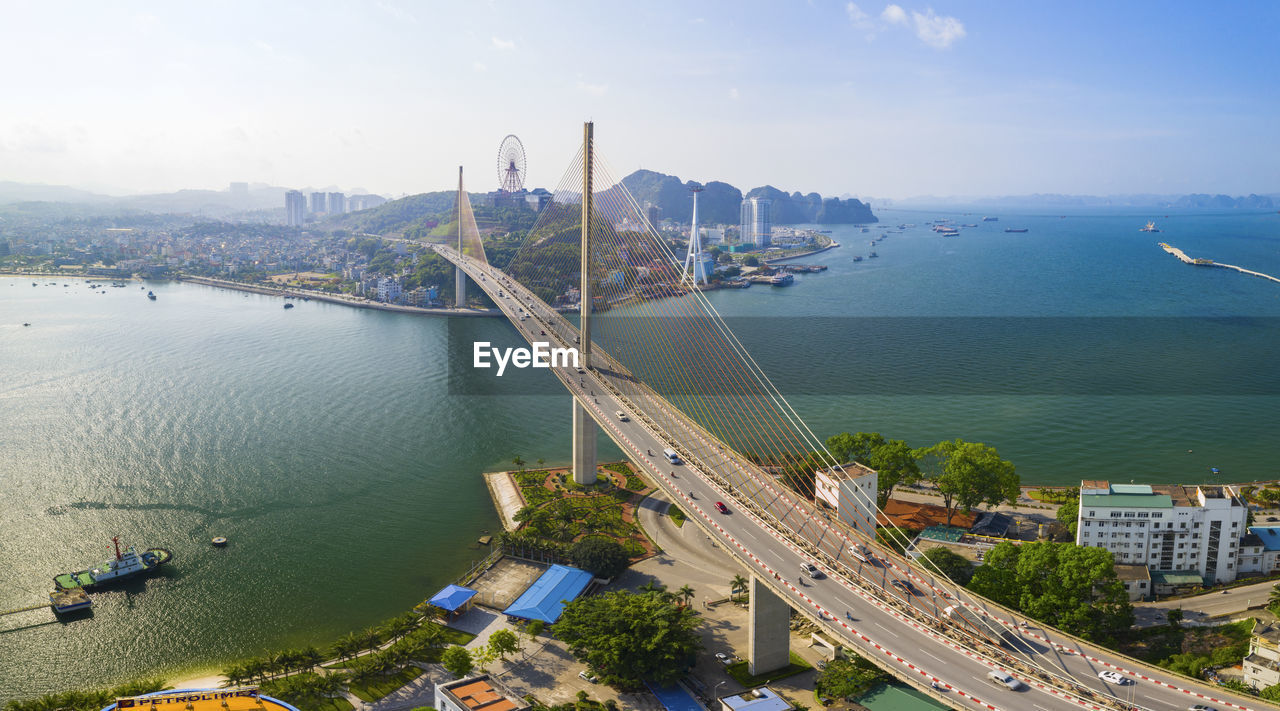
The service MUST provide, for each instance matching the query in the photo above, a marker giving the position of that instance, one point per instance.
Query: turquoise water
(325, 441)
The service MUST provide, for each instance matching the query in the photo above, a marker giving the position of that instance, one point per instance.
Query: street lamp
(715, 693)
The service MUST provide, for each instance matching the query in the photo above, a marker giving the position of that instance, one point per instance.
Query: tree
(737, 585)
(970, 474)
(503, 642)
(1068, 515)
(628, 637)
(1273, 601)
(1071, 587)
(894, 462)
(951, 564)
(846, 677)
(1174, 617)
(686, 594)
(457, 661)
(518, 462)
(751, 261)
(603, 557)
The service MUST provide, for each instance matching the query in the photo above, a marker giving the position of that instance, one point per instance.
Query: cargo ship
(126, 565)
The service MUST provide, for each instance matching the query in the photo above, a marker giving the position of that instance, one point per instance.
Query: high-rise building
(1178, 532)
(757, 222)
(337, 203)
(295, 208)
(318, 203)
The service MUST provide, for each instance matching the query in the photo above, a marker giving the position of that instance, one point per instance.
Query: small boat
(151, 295)
(873, 255)
(1019, 229)
(782, 280)
(288, 306)
(991, 219)
(26, 324)
(1150, 227)
(219, 541)
(126, 564)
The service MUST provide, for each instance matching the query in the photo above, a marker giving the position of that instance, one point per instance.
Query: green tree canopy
(457, 661)
(953, 565)
(970, 474)
(603, 557)
(503, 642)
(895, 462)
(1071, 587)
(1068, 513)
(628, 637)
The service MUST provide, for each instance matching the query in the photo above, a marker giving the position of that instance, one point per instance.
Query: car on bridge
(904, 586)
(721, 507)
(1005, 679)
(811, 570)
(1114, 677)
(622, 416)
(1201, 707)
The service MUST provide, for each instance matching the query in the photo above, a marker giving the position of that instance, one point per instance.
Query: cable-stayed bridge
(660, 371)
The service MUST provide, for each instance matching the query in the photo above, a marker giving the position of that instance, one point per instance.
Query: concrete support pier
(459, 288)
(769, 631)
(584, 446)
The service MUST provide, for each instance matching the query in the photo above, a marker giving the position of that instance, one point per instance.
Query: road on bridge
(887, 609)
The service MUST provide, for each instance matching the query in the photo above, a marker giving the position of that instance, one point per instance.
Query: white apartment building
(851, 491)
(756, 222)
(1185, 529)
(1262, 666)
(389, 289)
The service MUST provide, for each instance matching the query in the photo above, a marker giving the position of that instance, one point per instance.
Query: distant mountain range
(1192, 201)
(206, 203)
(720, 202)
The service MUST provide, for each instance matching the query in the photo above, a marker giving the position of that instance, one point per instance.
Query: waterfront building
(389, 289)
(337, 203)
(1176, 531)
(1260, 550)
(756, 222)
(477, 693)
(295, 208)
(318, 203)
(851, 490)
(1262, 666)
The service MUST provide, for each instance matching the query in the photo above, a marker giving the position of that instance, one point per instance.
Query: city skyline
(869, 99)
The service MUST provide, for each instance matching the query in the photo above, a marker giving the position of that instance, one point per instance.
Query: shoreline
(833, 245)
(330, 298)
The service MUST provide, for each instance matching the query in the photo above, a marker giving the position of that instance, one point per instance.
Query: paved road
(857, 602)
(1214, 604)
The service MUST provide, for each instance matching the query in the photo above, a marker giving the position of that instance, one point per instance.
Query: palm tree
(653, 587)
(541, 461)
(737, 585)
(686, 594)
(370, 639)
(518, 462)
(348, 646)
(309, 657)
(235, 674)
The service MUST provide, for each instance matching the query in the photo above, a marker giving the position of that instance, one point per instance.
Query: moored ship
(1150, 227)
(126, 564)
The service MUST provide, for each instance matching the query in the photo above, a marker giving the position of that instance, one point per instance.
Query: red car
(721, 507)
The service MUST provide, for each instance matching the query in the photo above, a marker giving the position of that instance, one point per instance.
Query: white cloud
(937, 31)
(894, 15)
(860, 19)
(733, 93)
(593, 89)
(503, 44)
(480, 67)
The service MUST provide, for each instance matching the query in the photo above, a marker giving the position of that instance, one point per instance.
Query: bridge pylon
(769, 630)
(585, 428)
(459, 277)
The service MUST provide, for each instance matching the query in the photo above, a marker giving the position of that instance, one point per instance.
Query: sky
(869, 98)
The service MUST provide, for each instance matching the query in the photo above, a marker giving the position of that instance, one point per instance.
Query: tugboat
(151, 295)
(126, 564)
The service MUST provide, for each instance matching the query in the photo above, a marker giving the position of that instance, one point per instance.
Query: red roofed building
(917, 516)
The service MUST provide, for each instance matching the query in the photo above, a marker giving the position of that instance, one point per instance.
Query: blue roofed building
(453, 599)
(545, 599)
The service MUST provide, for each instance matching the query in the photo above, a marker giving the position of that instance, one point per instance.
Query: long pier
(1182, 257)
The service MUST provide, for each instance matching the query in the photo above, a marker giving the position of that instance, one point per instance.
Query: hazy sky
(872, 99)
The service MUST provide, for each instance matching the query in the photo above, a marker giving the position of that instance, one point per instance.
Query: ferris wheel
(511, 165)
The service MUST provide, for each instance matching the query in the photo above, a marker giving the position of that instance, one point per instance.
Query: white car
(622, 416)
(725, 659)
(1004, 679)
(1114, 677)
(588, 677)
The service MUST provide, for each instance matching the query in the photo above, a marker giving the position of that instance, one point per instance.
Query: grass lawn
(380, 687)
(338, 704)
(738, 670)
(676, 515)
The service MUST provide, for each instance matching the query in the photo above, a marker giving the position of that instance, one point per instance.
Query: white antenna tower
(695, 246)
